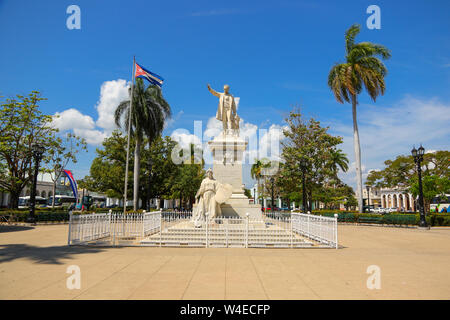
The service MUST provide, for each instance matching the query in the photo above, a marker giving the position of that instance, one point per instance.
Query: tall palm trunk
(357, 147)
(137, 167)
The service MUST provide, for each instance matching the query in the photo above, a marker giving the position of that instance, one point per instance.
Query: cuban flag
(73, 183)
(150, 76)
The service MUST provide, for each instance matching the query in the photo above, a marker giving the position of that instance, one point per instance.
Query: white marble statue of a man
(205, 200)
(226, 111)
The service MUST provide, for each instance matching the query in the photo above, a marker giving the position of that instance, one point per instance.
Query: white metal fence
(318, 228)
(174, 228)
(112, 227)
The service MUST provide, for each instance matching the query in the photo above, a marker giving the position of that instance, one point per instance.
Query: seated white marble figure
(205, 200)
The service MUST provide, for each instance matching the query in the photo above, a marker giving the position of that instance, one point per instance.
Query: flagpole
(128, 142)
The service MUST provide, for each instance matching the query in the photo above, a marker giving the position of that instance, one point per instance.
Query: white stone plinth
(228, 151)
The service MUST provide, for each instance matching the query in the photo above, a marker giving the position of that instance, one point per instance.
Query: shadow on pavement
(45, 255)
(12, 228)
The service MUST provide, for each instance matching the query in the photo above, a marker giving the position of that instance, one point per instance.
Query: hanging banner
(73, 183)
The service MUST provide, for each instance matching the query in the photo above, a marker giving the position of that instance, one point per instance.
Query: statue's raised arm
(213, 91)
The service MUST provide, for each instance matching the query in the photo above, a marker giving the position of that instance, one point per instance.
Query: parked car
(380, 210)
(270, 209)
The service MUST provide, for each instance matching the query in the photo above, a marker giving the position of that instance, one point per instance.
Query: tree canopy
(402, 173)
(22, 124)
(306, 141)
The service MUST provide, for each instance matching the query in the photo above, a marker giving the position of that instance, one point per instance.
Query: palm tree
(339, 160)
(256, 173)
(150, 110)
(362, 68)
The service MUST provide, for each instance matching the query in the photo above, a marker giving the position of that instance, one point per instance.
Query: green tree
(63, 151)
(402, 173)
(338, 160)
(257, 172)
(432, 186)
(107, 168)
(150, 110)
(189, 177)
(308, 140)
(351, 202)
(397, 173)
(21, 125)
(362, 68)
(164, 171)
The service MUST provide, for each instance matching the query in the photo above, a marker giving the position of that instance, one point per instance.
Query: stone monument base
(234, 208)
(228, 150)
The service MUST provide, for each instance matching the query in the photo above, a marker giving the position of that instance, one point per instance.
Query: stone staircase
(186, 235)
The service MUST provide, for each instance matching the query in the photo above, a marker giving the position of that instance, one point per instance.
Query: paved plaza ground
(414, 264)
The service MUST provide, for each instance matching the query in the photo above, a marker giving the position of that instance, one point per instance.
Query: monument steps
(227, 236)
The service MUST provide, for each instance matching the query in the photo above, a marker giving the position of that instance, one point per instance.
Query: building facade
(394, 198)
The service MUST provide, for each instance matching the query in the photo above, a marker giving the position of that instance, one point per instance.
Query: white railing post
(70, 228)
(82, 227)
(143, 226)
(207, 223)
(292, 232)
(110, 233)
(246, 229)
(307, 225)
(114, 219)
(336, 230)
(160, 228)
(226, 232)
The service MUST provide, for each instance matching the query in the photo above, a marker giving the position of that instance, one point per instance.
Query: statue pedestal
(228, 151)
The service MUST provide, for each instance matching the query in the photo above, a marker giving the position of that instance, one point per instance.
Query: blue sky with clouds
(273, 54)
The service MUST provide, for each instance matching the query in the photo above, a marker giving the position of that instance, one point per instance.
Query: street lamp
(418, 158)
(37, 151)
(303, 164)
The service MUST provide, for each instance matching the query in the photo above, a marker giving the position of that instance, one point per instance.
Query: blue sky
(273, 54)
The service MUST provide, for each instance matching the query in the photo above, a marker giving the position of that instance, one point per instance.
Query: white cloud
(111, 94)
(213, 128)
(169, 122)
(72, 118)
(82, 125)
(386, 132)
(261, 143)
(185, 138)
(94, 137)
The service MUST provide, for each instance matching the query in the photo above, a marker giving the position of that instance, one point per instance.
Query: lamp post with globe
(418, 158)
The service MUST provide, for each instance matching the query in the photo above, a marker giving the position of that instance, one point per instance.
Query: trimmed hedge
(41, 216)
(391, 219)
(51, 214)
(54, 215)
